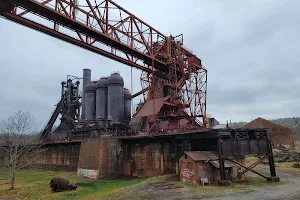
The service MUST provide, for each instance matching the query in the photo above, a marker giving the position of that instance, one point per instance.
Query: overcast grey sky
(250, 48)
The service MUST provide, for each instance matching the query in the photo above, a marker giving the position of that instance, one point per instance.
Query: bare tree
(19, 144)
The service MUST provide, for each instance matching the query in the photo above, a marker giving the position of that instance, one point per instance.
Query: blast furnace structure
(172, 117)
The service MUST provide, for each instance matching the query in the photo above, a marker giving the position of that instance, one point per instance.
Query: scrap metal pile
(286, 155)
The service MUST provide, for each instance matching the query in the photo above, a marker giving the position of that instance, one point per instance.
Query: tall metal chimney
(86, 80)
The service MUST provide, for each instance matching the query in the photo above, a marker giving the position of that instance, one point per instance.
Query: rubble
(296, 165)
(286, 155)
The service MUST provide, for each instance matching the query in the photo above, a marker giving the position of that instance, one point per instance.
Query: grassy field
(35, 185)
(284, 166)
(252, 184)
(288, 167)
(297, 144)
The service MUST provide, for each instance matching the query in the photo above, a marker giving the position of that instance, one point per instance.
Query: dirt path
(162, 190)
(289, 191)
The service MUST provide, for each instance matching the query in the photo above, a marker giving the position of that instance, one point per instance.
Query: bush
(296, 165)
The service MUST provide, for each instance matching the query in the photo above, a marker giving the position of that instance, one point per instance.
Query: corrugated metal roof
(201, 155)
(196, 155)
(207, 156)
(217, 164)
(211, 155)
(151, 107)
(263, 123)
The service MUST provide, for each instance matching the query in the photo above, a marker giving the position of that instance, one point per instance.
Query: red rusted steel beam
(67, 38)
(132, 41)
(65, 18)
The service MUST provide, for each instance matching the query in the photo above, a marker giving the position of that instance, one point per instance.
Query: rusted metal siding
(126, 169)
(145, 158)
(151, 107)
(281, 135)
(282, 139)
(108, 157)
(100, 154)
(88, 158)
(187, 170)
(192, 171)
(150, 158)
(169, 158)
(63, 156)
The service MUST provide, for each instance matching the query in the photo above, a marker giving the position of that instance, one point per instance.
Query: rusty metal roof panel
(263, 123)
(207, 156)
(151, 107)
(211, 155)
(196, 155)
(201, 155)
(216, 164)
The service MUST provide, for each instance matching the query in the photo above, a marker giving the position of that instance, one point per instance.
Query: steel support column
(221, 159)
(271, 160)
(162, 163)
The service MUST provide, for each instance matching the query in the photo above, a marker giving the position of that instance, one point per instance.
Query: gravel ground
(288, 191)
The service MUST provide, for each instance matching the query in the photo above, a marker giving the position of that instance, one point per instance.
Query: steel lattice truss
(108, 29)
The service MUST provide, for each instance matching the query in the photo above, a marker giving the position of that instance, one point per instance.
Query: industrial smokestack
(86, 80)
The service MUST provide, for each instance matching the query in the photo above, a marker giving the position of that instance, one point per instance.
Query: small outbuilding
(281, 135)
(202, 165)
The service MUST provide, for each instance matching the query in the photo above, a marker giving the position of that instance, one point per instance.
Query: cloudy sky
(250, 48)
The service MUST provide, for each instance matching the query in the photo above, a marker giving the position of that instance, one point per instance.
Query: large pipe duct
(86, 80)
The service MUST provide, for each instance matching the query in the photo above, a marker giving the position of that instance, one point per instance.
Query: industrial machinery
(173, 79)
(106, 105)
(68, 107)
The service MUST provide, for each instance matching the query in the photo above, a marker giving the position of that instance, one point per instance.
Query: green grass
(288, 167)
(32, 184)
(297, 144)
(282, 166)
(252, 184)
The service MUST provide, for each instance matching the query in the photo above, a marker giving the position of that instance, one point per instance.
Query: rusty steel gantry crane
(169, 71)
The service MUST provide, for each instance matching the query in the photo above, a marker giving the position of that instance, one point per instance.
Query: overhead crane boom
(92, 25)
(108, 29)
